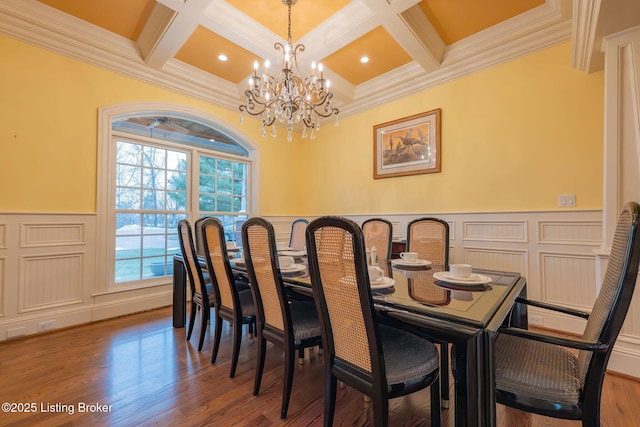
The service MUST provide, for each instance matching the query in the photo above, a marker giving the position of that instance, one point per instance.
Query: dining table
(423, 298)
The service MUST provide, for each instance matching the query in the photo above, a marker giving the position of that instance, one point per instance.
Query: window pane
(154, 157)
(176, 161)
(240, 170)
(127, 270)
(225, 185)
(128, 153)
(177, 181)
(239, 204)
(153, 200)
(207, 203)
(153, 178)
(238, 187)
(154, 245)
(207, 165)
(224, 204)
(128, 247)
(157, 266)
(176, 201)
(154, 224)
(127, 199)
(225, 167)
(207, 184)
(125, 223)
(128, 176)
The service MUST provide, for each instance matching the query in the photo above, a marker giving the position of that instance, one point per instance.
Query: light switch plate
(567, 200)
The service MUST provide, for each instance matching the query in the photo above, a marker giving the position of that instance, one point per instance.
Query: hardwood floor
(139, 370)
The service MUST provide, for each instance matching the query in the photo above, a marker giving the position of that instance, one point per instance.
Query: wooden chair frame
(384, 253)
(372, 384)
(199, 293)
(265, 332)
(588, 407)
(233, 313)
(444, 346)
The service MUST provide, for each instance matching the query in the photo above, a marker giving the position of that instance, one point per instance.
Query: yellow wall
(48, 132)
(513, 138)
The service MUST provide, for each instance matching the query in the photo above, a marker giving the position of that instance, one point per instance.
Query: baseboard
(129, 305)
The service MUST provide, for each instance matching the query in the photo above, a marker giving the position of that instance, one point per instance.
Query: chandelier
(289, 98)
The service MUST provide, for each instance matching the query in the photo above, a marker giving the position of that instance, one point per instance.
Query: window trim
(105, 224)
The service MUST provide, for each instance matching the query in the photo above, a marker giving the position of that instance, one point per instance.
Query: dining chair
(376, 359)
(289, 324)
(231, 304)
(378, 233)
(540, 372)
(199, 241)
(430, 238)
(296, 238)
(202, 296)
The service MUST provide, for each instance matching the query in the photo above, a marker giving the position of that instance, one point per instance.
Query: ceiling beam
(172, 23)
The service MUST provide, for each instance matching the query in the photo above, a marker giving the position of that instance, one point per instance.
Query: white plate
(381, 283)
(474, 279)
(294, 268)
(417, 263)
(293, 253)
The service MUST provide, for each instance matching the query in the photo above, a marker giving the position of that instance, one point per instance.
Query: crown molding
(486, 49)
(585, 22)
(37, 24)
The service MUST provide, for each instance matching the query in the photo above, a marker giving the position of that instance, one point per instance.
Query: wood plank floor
(146, 373)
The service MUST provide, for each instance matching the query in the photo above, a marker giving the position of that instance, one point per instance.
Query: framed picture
(407, 146)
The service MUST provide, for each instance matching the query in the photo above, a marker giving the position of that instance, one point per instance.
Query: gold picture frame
(407, 146)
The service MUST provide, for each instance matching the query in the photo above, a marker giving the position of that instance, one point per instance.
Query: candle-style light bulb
(320, 68)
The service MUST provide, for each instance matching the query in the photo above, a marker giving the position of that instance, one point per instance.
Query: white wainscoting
(48, 276)
(555, 251)
(48, 268)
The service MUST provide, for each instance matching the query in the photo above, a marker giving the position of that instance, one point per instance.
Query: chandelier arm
(290, 97)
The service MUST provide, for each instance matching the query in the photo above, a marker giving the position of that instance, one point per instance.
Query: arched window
(161, 166)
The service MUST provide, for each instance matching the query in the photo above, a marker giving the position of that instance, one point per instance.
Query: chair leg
(444, 374)
(380, 411)
(262, 344)
(435, 403)
(217, 334)
(301, 356)
(237, 339)
(206, 312)
(330, 387)
(192, 320)
(289, 355)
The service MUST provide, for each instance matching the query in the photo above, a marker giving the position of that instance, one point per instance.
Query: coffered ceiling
(410, 44)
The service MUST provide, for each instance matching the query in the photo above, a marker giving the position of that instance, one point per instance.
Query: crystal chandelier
(290, 98)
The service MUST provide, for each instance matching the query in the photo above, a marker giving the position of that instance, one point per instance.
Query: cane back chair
(541, 373)
(378, 233)
(289, 325)
(202, 294)
(232, 304)
(378, 360)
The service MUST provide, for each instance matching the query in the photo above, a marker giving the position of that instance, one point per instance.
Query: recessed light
(364, 59)
(222, 57)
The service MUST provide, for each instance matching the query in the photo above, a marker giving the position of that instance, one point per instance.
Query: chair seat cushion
(246, 303)
(305, 320)
(536, 369)
(406, 356)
